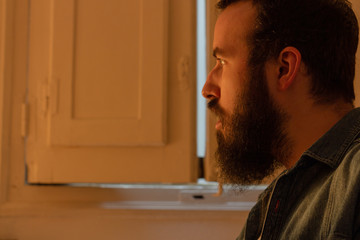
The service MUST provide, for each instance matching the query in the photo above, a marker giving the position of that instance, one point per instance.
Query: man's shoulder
(349, 168)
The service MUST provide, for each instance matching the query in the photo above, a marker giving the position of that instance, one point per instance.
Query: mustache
(214, 106)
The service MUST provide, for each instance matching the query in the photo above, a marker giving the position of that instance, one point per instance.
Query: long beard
(253, 143)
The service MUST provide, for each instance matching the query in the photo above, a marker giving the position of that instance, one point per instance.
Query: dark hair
(324, 31)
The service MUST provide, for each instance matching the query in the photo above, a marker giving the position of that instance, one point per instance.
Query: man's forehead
(242, 12)
(234, 24)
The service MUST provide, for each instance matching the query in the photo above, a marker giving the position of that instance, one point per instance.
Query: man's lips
(218, 125)
(218, 111)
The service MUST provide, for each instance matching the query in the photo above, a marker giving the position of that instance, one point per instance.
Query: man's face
(250, 130)
(230, 48)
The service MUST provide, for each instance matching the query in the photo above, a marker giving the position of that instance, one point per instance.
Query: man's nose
(211, 88)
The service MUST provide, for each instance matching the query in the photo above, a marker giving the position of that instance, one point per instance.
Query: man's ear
(289, 64)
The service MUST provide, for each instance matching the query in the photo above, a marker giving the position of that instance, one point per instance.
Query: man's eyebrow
(218, 51)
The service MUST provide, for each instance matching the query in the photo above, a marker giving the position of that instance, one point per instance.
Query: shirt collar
(332, 146)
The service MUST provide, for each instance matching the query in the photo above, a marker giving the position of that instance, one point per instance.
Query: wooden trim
(6, 68)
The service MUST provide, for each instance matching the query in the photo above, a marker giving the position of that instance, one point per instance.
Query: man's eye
(221, 61)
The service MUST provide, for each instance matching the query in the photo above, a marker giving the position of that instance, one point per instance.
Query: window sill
(75, 197)
(201, 196)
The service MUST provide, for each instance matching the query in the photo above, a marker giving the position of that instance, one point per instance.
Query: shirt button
(277, 206)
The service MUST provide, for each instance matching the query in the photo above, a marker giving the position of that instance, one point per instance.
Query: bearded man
(282, 89)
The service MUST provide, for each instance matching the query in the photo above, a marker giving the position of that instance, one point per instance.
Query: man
(282, 89)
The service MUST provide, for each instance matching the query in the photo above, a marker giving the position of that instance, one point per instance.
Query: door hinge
(24, 119)
(50, 96)
(45, 98)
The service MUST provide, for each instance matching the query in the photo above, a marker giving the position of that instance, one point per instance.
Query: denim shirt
(319, 198)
